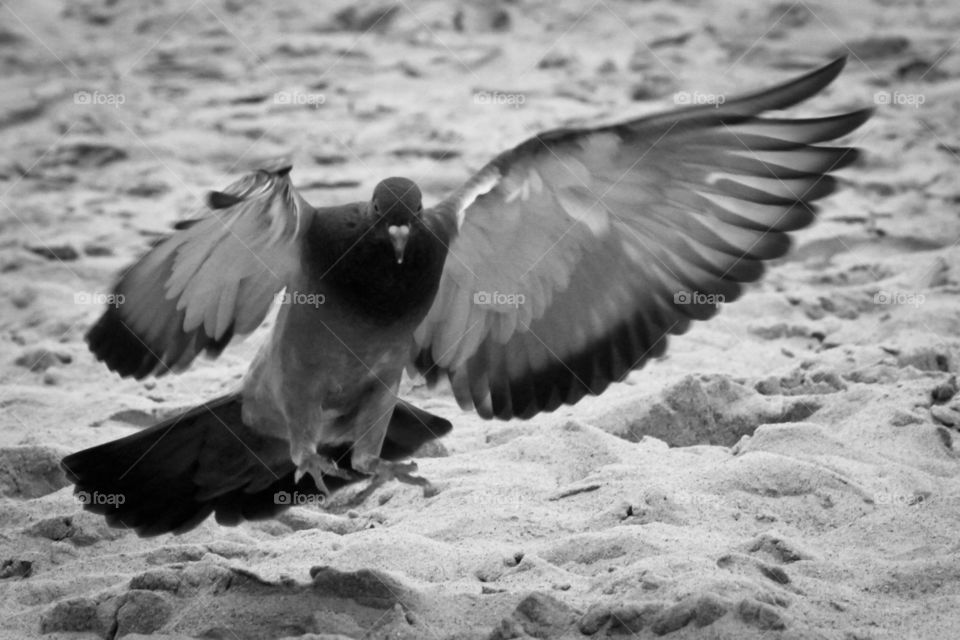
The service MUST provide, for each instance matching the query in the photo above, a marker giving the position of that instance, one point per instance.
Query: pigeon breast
(356, 267)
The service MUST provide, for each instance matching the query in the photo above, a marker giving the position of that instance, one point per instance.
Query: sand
(788, 470)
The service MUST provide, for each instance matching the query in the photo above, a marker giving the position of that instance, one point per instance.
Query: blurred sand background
(787, 471)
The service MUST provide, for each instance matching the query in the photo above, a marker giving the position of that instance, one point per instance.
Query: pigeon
(557, 269)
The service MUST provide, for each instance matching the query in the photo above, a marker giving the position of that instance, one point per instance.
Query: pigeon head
(397, 203)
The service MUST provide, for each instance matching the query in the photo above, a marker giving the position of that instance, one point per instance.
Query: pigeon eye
(376, 208)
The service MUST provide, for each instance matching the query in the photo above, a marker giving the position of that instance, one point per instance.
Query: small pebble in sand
(945, 391)
(62, 252)
(41, 359)
(947, 416)
(700, 610)
(14, 568)
(539, 615)
(77, 614)
(761, 615)
(23, 298)
(142, 612)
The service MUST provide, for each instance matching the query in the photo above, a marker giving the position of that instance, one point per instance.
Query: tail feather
(172, 476)
(410, 428)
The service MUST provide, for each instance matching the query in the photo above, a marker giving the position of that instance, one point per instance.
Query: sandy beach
(788, 470)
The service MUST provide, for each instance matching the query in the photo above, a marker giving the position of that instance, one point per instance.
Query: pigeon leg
(366, 448)
(276, 409)
(304, 454)
(318, 466)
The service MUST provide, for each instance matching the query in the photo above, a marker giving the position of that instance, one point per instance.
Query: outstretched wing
(580, 250)
(214, 277)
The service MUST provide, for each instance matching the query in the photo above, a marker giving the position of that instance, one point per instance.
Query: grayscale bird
(554, 271)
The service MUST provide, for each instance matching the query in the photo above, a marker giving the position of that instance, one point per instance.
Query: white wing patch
(480, 185)
(581, 204)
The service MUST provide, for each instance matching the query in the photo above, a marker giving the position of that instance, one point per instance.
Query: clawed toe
(405, 473)
(383, 471)
(319, 466)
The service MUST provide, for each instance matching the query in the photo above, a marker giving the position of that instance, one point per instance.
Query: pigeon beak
(398, 238)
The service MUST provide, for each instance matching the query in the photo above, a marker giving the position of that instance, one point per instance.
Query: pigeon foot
(318, 466)
(385, 470)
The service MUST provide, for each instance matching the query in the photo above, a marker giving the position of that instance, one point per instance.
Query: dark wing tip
(816, 80)
(833, 68)
(277, 166)
(849, 157)
(788, 93)
(589, 371)
(179, 226)
(855, 119)
(221, 200)
(240, 190)
(115, 344)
